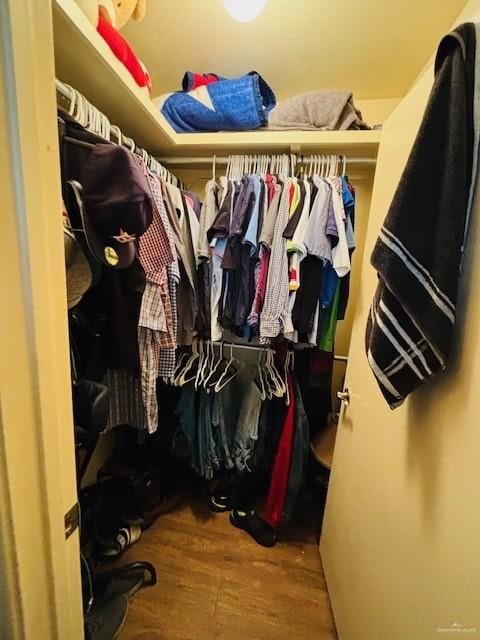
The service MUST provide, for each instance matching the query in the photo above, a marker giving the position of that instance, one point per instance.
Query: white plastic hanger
(214, 368)
(278, 388)
(227, 376)
(182, 360)
(260, 376)
(209, 363)
(201, 363)
(183, 378)
(288, 365)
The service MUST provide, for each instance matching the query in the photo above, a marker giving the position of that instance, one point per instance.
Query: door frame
(40, 587)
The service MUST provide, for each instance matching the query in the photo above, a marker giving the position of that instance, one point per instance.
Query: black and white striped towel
(419, 249)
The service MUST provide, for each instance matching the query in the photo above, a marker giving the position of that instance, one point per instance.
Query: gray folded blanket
(326, 110)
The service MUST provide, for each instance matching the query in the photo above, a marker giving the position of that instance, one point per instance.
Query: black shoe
(126, 536)
(260, 530)
(106, 619)
(219, 504)
(126, 580)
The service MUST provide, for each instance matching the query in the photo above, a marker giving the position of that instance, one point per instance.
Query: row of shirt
(276, 252)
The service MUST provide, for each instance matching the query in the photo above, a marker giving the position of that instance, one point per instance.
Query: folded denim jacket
(227, 105)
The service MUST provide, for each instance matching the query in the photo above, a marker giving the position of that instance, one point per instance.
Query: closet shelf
(84, 60)
(351, 143)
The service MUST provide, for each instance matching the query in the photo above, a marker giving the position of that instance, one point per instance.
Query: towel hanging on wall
(419, 250)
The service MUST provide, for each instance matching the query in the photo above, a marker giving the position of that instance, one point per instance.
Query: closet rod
(224, 160)
(258, 347)
(80, 143)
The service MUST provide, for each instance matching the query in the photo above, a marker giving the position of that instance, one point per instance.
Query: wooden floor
(215, 582)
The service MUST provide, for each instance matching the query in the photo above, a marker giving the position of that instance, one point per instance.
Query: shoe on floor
(250, 522)
(219, 504)
(126, 536)
(113, 584)
(106, 619)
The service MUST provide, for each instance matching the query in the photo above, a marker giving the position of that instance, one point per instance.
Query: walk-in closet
(239, 339)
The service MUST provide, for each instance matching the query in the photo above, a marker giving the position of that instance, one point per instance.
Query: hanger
(201, 363)
(181, 361)
(231, 370)
(184, 376)
(209, 363)
(115, 131)
(213, 368)
(259, 378)
(278, 386)
(288, 366)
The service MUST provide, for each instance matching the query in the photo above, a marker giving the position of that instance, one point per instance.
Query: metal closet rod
(301, 158)
(256, 347)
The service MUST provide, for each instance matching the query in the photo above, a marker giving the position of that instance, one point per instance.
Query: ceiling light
(244, 10)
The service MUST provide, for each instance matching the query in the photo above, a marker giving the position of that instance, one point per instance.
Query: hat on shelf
(117, 205)
(79, 274)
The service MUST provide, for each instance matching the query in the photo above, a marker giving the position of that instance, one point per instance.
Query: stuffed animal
(93, 9)
(117, 12)
(126, 9)
(107, 17)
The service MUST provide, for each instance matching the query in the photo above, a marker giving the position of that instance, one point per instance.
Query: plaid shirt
(275, 308)
(156, 250)
(169, 296)
(157, 326)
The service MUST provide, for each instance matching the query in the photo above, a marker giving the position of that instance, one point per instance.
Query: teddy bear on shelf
(107, 16)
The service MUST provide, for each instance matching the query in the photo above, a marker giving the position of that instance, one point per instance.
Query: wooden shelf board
(353, 143)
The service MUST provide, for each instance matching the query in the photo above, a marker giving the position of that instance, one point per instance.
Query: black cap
(118, 205)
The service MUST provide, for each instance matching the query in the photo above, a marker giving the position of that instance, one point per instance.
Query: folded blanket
(226, 105)
(325, 110)
(418, 254)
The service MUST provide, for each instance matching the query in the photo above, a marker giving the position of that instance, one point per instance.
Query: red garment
(290, 195)
(261, 287)
(270, 182)
(201, 80)
(124, 52)
(281, 468)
